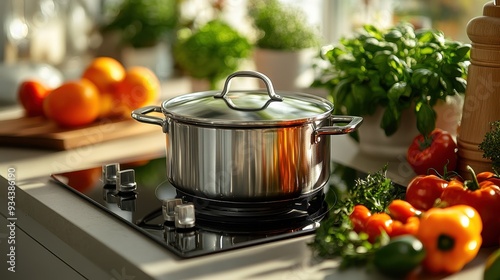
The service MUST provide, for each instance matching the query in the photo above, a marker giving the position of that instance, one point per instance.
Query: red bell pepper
(484, 196)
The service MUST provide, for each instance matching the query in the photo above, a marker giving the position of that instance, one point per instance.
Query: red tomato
(377, 223)
(401, 210)
(436, 152)
(359, 216)
(423, 191)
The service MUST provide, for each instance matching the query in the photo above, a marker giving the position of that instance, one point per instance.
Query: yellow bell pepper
(451, 237)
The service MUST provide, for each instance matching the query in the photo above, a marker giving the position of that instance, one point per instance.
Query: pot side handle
(141, 116)
(352, 124)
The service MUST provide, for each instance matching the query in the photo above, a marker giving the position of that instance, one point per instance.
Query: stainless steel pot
(248, 145)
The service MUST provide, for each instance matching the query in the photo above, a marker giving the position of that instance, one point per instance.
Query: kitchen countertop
(97, 246)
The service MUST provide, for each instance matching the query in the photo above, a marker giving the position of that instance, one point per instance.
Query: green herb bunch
(397, 69)
(335, 238)
(491, 145)
(211, 52)
(144, 23)
(281, 26)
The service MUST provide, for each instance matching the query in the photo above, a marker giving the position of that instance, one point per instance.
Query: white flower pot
(157, 58)
(288, 70)
(449, 113)
(374, 142)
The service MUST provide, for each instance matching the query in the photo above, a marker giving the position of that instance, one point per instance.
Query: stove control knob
(184, 216)
(126, 181)
(109, 173)
(168, 208)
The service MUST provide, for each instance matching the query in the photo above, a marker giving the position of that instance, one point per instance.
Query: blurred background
(66, 34)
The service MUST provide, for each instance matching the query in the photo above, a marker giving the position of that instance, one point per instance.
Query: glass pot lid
(250, 108)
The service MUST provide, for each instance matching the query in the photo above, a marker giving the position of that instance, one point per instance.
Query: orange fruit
(107, 105)
(104, 72)
(74, 103)
(139, 87)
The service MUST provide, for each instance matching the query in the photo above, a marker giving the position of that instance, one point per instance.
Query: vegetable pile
(433, 226)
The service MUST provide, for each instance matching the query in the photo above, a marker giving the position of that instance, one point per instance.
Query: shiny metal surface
(256, 147)
(246, 164)
(269, 86)
(168, 208)
(125, 181)
(240, 164)
(109, 173)
(184, 215)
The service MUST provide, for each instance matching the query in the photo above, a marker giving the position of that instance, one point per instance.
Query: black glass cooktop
(217, 229)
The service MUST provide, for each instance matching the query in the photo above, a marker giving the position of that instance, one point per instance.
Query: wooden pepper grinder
(482, 95)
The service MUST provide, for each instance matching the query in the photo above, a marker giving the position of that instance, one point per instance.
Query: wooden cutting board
(38, 132)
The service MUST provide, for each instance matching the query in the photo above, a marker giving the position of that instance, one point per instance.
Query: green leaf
(380, 59)
(451, 70)
(426, 118)
(361, 94)
(390, 119)
(459, 84)
(393, 36)
(340, 92)
(425, 37)
(434, 82)
(421, 77)
(460, 53)
(398, 90)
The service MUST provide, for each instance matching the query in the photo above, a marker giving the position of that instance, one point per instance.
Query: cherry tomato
(433, 152)
(359, 216)
(401, 210)
(377, 223)
(423, 191)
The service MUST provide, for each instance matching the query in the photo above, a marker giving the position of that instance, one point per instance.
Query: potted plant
(285, 43)
(146, 29)
(211, 52)
(389, 74)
